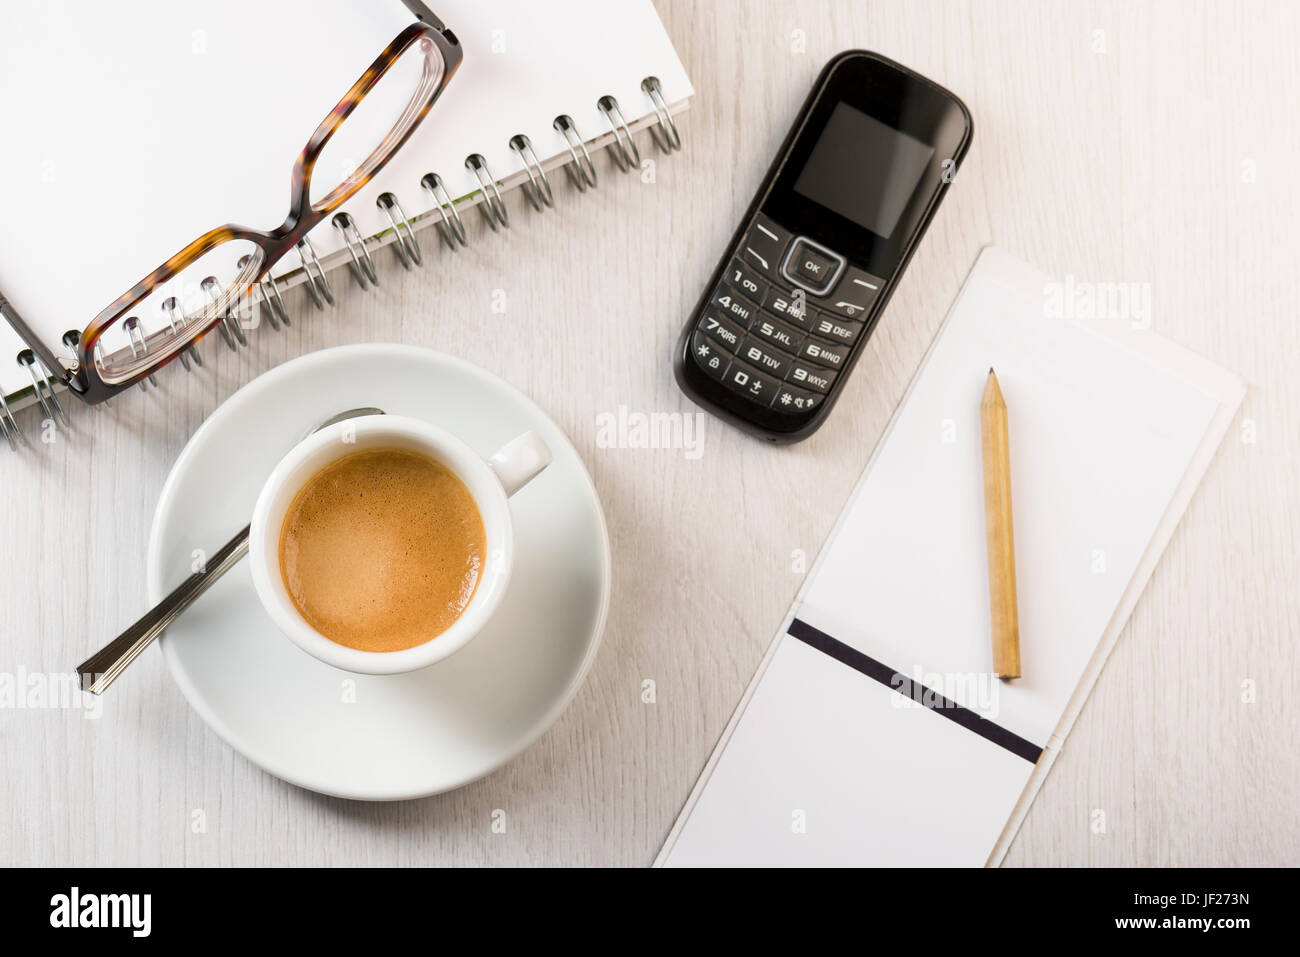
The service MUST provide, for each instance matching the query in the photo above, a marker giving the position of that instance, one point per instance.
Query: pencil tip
(990, 370)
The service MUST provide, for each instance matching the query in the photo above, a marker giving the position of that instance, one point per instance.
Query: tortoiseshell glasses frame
(96, 379)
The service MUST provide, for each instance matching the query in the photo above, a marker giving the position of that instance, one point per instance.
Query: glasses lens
(171, 317)
(374, 129)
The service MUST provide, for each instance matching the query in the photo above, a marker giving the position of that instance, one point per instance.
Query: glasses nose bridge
(297, 224)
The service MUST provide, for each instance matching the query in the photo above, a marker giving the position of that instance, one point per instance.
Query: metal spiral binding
(176, 319)
(318, 287)
(44, 385)
(538, 190)
(626, 153)
(363, 267)
(664, 133)
(494, 207)
(229, 325)
(12, 432)
(582, 171)
(451, 229)
(272, 302)
(408, 250)
(9, 425)
(135, 338)
(171, 307)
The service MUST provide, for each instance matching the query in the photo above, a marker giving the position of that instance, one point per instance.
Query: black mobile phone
(822, 246)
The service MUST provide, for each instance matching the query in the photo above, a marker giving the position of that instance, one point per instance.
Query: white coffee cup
(491, 482)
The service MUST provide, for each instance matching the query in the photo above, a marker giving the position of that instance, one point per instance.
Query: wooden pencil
(1004, 617)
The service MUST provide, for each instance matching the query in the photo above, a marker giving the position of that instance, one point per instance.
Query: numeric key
(749, 382)
(805, 375)
(759, 356)
(748, 282)
(732, 305)
(786, 338)
(836, 329)
(790, 306)
(822, 354)
(721, 330)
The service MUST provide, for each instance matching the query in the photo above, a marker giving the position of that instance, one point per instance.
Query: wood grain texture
(1114, 141)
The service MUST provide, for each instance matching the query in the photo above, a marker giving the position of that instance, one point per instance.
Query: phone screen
(863, 170)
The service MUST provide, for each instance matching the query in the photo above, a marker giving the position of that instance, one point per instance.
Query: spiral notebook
(874, 733)
(133, 128)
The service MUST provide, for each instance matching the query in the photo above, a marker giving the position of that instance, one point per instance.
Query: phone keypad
(775, 343)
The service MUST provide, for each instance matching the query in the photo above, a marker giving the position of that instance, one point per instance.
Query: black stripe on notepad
(927, 698)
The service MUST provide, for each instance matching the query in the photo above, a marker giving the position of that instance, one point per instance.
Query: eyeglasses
(161, 317)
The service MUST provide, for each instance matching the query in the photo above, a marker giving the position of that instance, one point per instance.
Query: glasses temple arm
(423, 14)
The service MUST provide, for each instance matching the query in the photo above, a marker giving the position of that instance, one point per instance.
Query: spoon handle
(102, 668)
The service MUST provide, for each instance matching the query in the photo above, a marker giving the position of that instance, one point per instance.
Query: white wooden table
(1117, 141)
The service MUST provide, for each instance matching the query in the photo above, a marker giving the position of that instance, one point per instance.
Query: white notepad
(133, 128)
(824, 761)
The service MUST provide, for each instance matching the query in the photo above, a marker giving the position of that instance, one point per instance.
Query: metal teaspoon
(103, 667)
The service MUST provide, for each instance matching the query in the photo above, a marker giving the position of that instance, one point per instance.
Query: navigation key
(853, 295)
(812, 266)
(764, 246)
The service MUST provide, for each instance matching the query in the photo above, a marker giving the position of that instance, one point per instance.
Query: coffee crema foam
(382, 549)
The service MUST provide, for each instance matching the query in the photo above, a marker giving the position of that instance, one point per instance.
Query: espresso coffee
(382, 549)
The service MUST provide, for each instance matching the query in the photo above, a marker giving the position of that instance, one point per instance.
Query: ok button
(813, 267)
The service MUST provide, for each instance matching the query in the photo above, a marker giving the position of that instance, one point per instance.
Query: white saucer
(408, 735)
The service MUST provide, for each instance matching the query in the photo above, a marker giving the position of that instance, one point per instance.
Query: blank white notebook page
(828, 763)
(134, 128)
